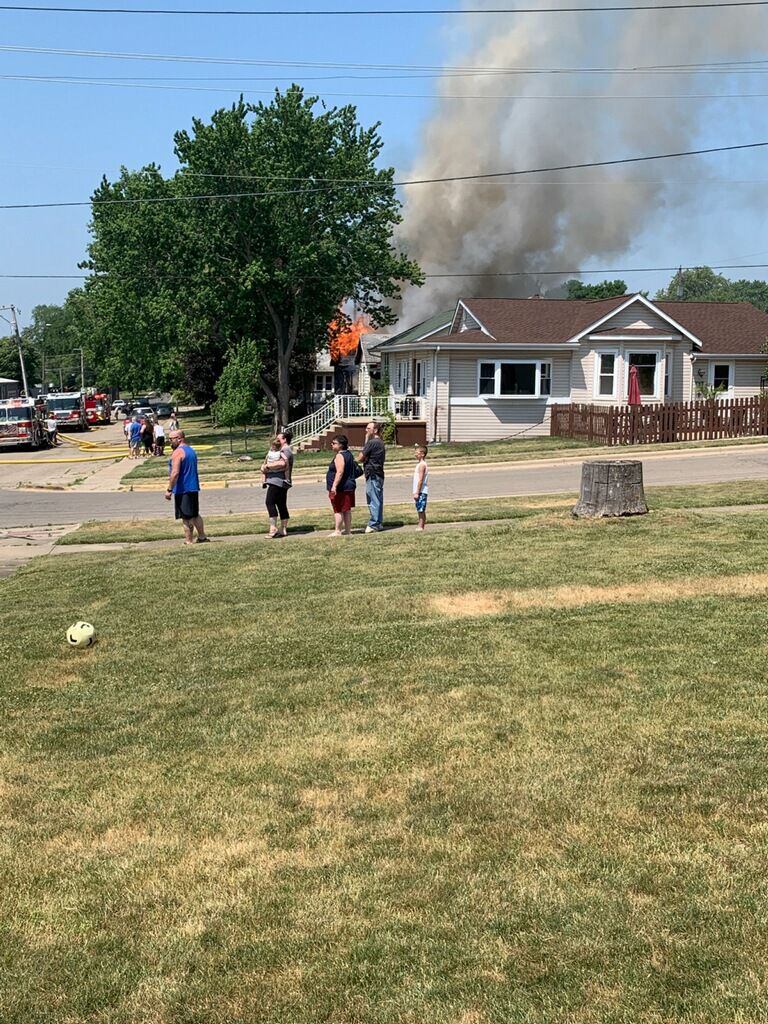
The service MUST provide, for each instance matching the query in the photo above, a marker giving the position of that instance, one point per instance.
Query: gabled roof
(721, 327)
(538, 321)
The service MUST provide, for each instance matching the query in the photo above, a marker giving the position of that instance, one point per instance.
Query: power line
(470, 274)
(705, 67)
(355, 184)
(377, 12)
(570, 97)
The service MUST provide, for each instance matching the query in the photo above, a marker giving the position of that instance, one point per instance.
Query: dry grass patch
(478, 603)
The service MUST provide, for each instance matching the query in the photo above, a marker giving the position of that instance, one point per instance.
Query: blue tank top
(347, 482)
(188, 481)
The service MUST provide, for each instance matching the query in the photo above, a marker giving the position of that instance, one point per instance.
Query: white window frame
(658, 376)
(325, 376)
(419, 377)
(497, 364)
(728, 393)
(403, 376)
(599, 353)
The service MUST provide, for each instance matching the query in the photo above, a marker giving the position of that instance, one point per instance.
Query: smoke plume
(577, 216)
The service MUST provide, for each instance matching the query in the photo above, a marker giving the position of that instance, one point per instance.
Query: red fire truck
(22, 422)
(98, 407)
(68, 409)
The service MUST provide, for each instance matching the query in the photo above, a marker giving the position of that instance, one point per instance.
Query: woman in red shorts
(340, 481)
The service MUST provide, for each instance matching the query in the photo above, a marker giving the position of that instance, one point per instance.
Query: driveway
(39, 508)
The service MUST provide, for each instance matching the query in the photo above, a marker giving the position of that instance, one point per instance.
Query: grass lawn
(312, 783)
(745, 492)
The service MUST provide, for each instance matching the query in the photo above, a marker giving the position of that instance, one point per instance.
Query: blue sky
(59, 139)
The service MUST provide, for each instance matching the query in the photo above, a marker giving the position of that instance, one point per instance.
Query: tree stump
(611, 488)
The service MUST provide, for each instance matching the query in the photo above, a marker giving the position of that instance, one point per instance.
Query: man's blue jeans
(374, 495)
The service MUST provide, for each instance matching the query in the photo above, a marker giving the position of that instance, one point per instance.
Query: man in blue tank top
(184, 488)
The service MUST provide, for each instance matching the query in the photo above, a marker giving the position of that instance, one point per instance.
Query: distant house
(492, 368)
(8, 388)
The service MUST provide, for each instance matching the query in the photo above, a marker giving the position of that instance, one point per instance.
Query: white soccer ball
(82, 634)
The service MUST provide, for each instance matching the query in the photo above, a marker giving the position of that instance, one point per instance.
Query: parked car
(142, 410)
(163, 409)
(119, 405)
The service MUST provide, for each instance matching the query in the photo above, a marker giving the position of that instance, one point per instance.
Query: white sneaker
(370, 529)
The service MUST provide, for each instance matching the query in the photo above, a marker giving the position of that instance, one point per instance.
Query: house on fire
(493, 368)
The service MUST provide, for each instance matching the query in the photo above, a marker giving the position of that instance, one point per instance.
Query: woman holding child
(276, 478)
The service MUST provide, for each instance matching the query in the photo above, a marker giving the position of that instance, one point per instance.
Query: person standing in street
(51, 428)
(158, 432)
(372, 457)
(184, 488)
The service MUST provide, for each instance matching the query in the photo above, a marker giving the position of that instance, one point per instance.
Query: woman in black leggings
(276, 481)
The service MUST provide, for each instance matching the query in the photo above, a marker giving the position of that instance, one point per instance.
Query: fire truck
(22, 422)
(68, 409)
(98, 407)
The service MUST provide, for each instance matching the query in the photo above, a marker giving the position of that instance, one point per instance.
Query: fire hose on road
(94, 451)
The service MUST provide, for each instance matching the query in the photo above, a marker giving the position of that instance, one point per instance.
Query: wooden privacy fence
(654, 424)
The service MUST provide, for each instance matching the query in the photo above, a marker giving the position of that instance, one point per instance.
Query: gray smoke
(578, 216)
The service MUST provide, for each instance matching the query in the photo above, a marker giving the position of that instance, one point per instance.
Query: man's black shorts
(187, 505)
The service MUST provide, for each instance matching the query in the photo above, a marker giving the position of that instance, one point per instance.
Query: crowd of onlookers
(342, 475)
(146, 434)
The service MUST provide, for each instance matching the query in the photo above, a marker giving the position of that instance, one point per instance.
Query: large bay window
(514, 378)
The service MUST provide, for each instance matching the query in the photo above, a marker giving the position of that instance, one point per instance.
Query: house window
(487, 381)
(606, 374)
(667, 381)
(512, 379)
(545, 379)
(323, 382)
(403, 376)
(721, 376)
(646, 371)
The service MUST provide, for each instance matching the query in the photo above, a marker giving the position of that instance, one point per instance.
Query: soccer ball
(82, 634)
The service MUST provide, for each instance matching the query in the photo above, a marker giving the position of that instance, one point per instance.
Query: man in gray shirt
(372, 457)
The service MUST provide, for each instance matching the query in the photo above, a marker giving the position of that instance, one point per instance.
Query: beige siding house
(493, 368)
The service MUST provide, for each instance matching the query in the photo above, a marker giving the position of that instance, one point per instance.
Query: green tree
(698, 284)
(237, 389)
(181, 283)
(600, 290)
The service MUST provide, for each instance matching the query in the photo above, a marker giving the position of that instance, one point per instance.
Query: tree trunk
(283, 408)
(611, 488)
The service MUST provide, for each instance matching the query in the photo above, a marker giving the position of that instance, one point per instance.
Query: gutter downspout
(434, 398)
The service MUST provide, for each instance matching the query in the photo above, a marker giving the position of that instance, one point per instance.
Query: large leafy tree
(299, 219)
(702, 284)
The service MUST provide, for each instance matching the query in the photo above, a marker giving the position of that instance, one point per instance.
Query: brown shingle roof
(731, 327)
(721, 326)
(538, 321)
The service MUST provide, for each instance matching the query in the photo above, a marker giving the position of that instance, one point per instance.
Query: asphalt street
(41, 508)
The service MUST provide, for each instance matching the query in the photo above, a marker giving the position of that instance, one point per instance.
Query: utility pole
(82, 369)
(43, 382)
(17, 336)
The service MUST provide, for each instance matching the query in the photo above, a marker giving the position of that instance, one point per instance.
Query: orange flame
(345, 338)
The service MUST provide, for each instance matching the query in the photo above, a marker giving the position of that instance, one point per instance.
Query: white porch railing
(314, 424)
(345, 407)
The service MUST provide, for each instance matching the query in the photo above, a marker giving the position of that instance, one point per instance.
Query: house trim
(724, 357)
(498, 346)
(641, 340)
(646, 302)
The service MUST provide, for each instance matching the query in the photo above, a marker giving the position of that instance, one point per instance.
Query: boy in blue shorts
(421, 484)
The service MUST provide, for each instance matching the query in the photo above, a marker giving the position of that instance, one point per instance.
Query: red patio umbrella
(633, 394)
